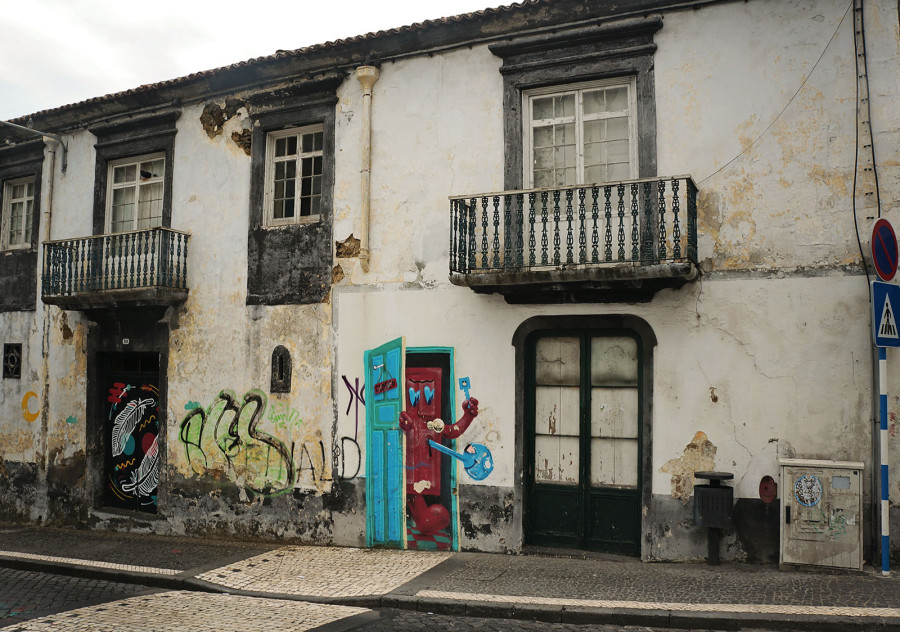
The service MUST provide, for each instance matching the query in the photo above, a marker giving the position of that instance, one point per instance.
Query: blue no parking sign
(884, 250)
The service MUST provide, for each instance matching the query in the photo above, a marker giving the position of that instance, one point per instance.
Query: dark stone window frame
(603, 51)
(138, 136)
(290, 264)
(12, 360)
(18, 266)
(281, 370)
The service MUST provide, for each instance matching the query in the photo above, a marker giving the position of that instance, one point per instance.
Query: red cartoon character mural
(421, 421)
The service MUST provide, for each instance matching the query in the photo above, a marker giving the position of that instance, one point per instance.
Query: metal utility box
(821, 513)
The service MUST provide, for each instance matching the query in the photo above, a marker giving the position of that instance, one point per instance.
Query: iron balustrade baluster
(507, 243)
(607, 212)
(556, 227)
(520, 231)
(142, 259)
(472, 211)
(180, 272)
(692, 220)
(484, 232)
(635, 232)
(130, 283)
(595, 236)
(661, 185)
(462, 257)
(544, 243)
(531, 217)
(495, 244)
(582, 230)
(569, 237)
(154, 248)
(620, 190)
(648, 223)
(119, 262)
(676, 227)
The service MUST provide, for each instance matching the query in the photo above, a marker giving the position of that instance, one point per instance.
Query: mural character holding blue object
(422, 424)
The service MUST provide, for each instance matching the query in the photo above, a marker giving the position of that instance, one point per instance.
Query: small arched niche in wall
(281, 370)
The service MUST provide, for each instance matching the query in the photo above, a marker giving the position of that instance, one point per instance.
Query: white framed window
(17, 213)
(135, 189)
(294, 175)
(584, 133)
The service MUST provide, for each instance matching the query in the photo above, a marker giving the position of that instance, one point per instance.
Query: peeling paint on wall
(698, 455)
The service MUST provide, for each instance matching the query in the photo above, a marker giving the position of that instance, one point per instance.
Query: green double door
(583, 441)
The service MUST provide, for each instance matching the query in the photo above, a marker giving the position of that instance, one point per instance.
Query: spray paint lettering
(284, 417)
(227, 433)
(357, 397)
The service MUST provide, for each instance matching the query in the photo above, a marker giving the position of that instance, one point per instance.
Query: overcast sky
(57, 52)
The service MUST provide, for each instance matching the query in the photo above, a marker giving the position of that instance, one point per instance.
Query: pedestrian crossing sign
(885, 302)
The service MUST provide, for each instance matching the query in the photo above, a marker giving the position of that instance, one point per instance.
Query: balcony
(135, 269)
(601, 243)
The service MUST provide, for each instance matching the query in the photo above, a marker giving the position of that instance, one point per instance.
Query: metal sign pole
(883, 449)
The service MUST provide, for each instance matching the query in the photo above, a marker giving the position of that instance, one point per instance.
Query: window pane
(292, 145)
(124, 173)
(279, 190)
(556, 459)
(305, 206)
(542, 108)
(617, 151)
(316, 205)
(18, 191)
(593, 174)
(279, 171)
(543, 137)
(594, 131)
(614, 413)
(618, 171)
(317, 185)
(614, 361)
(280, 147)
(308, 143)
(289, 208)
(617, 128)
(564, 105)
(306, 187)
(557, 361)
(29, 189)
(318, 141)
(594, 101)
(617, 99)
(152, 169)
(278, 210)
(28, 216)
(614, 462)
(556, 410)
(289, 188)
(290, 170)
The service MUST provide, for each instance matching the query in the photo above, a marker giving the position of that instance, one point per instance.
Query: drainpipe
(367, 76)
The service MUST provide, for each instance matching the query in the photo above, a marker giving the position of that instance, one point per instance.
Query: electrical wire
(791, 100)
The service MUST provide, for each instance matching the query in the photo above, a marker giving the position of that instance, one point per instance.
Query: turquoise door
(384, 444)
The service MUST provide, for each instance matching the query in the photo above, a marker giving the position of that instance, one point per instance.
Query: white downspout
(367, 76)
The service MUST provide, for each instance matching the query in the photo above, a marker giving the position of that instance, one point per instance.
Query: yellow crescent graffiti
(27, 414)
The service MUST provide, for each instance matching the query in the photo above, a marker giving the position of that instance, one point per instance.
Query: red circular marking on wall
(768, 489)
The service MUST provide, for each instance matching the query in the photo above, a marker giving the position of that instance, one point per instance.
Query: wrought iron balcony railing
(140, 260)
(649, 221)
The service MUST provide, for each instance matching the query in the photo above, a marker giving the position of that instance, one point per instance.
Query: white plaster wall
(437, 130)
(758, 342)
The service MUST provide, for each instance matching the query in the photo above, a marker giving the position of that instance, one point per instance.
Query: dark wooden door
(583, 452)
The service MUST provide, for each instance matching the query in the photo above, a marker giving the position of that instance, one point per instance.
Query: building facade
(491, 282)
